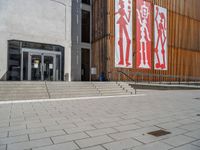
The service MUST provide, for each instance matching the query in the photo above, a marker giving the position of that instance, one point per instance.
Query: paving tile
(3, 134)
(27, 131)
(11, 140)
(187, 147)
(148, 123)
(71, 137)
(128, 121)
(46, 134)
(194, 134)
(99, 132)
(68, 121)
(110, 119)
(86, 123)
(132, 133)
(13, 128)
(63, 146)
(29, 144)
(186, 121)
(121, 145)
(191, 127)
(44, 124)
(169, 125)
(94, 148)
(146, 138)
(127, 127)
(106, 125)
(93, 141)
(78, 129)
(60, 127)
(178, 140)
(153, 146)
(197, 143)
(4, 124)
(2, 147)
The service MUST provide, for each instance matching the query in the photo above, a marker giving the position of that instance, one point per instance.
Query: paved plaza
(112, 123)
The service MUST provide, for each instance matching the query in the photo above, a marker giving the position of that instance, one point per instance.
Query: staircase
(54, 90)
(71, 89)
(22, 90)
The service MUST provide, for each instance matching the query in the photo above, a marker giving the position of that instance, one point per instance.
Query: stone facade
(46, 21)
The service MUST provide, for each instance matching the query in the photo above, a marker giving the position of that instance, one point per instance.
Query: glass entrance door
(42, 67)
(49, 68)
(36, 67)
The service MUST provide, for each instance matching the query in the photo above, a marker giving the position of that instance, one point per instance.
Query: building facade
(181, 21)
(79, 40)
(41, 40)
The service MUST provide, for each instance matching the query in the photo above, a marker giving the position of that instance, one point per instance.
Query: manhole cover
(159, 133)
(198, 115)
(197, 98)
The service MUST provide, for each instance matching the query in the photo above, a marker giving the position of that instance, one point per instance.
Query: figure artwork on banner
(160, 35)
(143, 40)
(123, 34)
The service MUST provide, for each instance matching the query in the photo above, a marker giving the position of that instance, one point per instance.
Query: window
(14, 61)
(86, 2)
(18, 70)
(85, 26)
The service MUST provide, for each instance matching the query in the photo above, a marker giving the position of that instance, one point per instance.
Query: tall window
(85, 26)
(86, 2)
(14, 60)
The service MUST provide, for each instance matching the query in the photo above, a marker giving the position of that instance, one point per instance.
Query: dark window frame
(49, 47)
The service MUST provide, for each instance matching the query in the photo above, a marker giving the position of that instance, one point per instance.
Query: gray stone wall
(43, 21)
(76, 40)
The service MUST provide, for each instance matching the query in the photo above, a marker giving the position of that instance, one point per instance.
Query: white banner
(160, 38)
(123, 34)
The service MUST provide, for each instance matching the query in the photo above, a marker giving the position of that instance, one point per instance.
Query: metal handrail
(126, 75)
(134, 76)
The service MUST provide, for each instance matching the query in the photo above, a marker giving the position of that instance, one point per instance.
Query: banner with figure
(143, 32)
(160, 38)
(123, 34)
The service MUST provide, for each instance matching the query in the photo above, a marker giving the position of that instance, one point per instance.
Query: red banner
(160, 38)
(123, 34)
(143, 32)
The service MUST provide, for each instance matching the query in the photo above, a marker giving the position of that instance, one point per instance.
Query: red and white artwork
(143, 30)
(123, 34)
(160, 41)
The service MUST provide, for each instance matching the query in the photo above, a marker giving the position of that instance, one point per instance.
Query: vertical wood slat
(183, 38)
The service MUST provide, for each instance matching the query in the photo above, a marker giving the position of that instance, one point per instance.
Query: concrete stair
(110, 88)
(71, 89)
(23, 90)
(54, 90)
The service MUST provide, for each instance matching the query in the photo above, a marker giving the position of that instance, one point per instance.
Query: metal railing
(154, 78)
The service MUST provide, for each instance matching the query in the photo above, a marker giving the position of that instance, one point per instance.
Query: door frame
(90, 59)
(42, 53)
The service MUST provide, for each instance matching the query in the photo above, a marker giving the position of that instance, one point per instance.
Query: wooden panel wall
(183, 38)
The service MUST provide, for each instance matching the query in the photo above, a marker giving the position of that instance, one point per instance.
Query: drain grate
(198, 115)
(197, 98)
(159, 133)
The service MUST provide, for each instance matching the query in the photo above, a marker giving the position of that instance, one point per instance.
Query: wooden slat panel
(183, 38)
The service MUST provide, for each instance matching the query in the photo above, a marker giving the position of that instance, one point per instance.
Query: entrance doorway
(85, 65)
(39, 65)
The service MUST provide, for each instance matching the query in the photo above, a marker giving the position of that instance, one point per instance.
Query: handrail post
(142, 78)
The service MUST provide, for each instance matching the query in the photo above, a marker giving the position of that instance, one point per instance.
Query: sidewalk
(117, 123)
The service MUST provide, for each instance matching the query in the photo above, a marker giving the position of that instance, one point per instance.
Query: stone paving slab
(115, 123)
